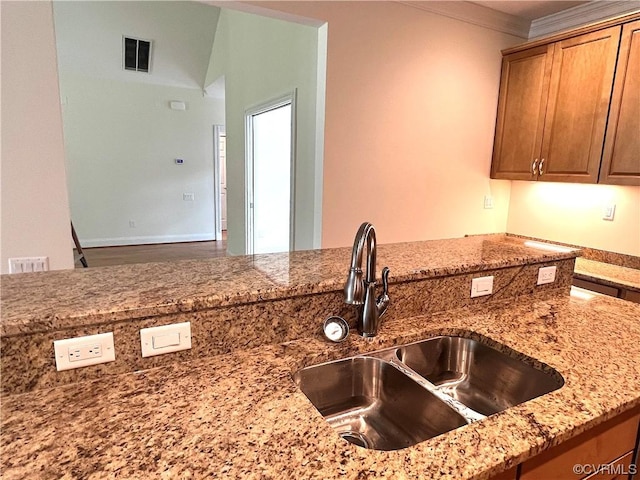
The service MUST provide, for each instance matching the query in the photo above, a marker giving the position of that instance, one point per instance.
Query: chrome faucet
(363, 292)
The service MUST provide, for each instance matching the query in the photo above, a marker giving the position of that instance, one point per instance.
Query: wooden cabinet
(612, 443)
(608, 451)
(553, 109)
(524, 89)
(621, 157)
(581, 80)
(510, 474)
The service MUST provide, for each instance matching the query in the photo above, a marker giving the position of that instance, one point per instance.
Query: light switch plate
(609, 212)
(79, 352)
(28, 264)
(481, 286)
(165, 339)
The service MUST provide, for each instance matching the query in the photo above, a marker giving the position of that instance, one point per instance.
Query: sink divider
(390, 357)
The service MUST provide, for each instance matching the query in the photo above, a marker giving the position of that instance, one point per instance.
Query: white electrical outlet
(132, 224)
(188, 197)
(165, 339)
(82, 351)
(481, 286)
(28, 264)
(546, 275)
(488, 201)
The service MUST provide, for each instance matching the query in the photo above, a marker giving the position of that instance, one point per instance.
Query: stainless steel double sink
(401, 396)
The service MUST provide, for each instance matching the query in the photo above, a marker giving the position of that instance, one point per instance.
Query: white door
(269, 176)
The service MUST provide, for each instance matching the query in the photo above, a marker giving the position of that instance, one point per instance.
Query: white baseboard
(119, 241)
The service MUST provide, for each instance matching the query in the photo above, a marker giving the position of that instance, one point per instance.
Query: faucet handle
(385, 280)
(382, 302)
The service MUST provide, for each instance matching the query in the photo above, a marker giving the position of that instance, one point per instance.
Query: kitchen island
(239, 414)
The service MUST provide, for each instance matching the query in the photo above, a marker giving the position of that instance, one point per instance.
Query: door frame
(217, 194)
(288, 98)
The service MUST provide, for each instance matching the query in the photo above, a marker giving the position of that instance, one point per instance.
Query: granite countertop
(38, 302)
(608, 274)
(240, 415)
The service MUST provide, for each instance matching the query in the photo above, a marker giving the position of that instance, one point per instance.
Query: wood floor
(164, 252)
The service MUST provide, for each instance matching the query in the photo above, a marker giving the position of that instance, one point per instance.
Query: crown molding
(581, 15)
(470, 12)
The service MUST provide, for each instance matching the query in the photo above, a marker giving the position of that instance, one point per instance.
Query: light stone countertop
(608, 274)
(240, 416)
(40, 302)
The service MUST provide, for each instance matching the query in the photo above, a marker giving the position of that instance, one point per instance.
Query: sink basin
(374, 405)
(400, 396)
(478, 376)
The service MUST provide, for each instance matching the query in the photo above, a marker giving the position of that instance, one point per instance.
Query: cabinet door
(581, 82)
(524, 89)
(606, 443)
(621, 157)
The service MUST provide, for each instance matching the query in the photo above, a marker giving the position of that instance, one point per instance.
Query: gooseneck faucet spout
(362, 292)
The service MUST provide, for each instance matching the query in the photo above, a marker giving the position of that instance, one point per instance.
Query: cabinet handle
(540, 170)
(533, 167)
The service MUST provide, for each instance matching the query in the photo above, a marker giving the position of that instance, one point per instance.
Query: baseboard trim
(144, 240)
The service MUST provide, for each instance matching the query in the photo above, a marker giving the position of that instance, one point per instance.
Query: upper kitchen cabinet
(581, 80)
(621, 157)
(524, 89)
(553, 109)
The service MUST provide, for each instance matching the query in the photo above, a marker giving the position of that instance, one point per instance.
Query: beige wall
(572, 213)
(410, 113)
(35, 208)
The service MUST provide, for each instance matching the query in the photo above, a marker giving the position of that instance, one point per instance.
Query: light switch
(609, 212)
(481, 286)
(165, 339)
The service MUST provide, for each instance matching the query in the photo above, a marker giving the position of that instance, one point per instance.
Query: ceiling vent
(136, 54)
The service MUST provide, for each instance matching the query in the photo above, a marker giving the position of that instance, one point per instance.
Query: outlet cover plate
(79, 352)
(546, 275)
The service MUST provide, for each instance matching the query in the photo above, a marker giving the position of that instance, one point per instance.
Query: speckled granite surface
(604, 256)
(607, 274)
(40, 302)
(27, 360)
(240, 416)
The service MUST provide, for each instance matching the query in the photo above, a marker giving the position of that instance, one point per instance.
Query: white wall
(35, 209)
(89, 39)
(122, 140)
(262, 59)
(121, 137)
(572, 213)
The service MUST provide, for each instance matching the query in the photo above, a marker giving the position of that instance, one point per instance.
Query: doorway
(220, 181)
(270, 137)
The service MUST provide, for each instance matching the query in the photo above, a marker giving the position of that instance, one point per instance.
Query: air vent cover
(136, 54)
